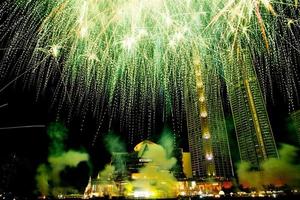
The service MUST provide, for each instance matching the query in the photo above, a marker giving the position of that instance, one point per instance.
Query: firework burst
(129, 58)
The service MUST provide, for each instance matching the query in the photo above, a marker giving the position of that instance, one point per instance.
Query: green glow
(140, 51)
(57, 134)
(282, 171)
(48, 177)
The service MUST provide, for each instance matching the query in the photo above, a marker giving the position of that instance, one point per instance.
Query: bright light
(83, 31)
(142, 33)
(92, 57)
(176, 39)
(54, 50)
(193, 184)
(206, 136)
(178, 36)
(202, 99)
(196, 61)
(200, 84)
(172, 43)
(203, 114)
(209, 156)
(168, 21)
(141, 194)
(128, 43)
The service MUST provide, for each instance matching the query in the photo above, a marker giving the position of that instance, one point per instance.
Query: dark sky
(23, 149)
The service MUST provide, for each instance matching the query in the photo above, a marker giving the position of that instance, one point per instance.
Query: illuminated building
(208, 161)
(146, 173)
(296, 124)
(194, 136)
(207, 134)
(187, 164)
(220, 143)
(199, 189)
(254, 134)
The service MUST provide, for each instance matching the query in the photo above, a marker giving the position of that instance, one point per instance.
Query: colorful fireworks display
(126, 58)
(135, 63)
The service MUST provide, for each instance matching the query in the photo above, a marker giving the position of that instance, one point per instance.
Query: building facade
(295, 116)
(253, 130)
(207, 134)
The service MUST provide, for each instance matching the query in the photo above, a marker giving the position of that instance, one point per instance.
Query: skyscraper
(254, 134)
(295, 116)
(194, 135)
(220, 143)
(207, 135)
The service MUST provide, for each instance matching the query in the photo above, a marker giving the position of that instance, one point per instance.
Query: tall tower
(207, 135)
(194, 133)
(253, 130)
(295, 116)
(209, 163)
(220, 143)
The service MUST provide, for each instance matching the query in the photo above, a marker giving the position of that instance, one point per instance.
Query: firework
(129, 58)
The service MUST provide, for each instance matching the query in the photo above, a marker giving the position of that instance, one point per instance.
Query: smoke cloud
(167, 142)
(113, 143)
(277, 172)
(155, 176)
(48, 176)
(106, 175)
(57, 134)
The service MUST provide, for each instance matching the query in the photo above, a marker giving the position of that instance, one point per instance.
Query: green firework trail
(129, 58)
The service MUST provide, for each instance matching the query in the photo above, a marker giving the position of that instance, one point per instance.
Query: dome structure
(144, 146)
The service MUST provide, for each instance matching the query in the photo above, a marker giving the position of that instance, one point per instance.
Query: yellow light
(182, 193)
(83, 31)
(54, 50)
(206, 136)
(199, 84)
(93, 57)
(196, 61)
(193, 184)
(203, 114)
(290, 22)
(209, 156)
(202, 99)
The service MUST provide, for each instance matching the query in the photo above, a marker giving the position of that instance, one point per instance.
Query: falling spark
(22, 127)
(3, 105)
(123, 58)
